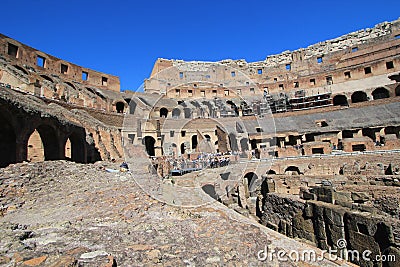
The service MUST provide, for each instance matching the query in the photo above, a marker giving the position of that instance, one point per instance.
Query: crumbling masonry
(333, 136)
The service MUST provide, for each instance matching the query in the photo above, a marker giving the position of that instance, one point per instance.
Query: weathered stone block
(359, 197)
(342, 196)
(346, 204)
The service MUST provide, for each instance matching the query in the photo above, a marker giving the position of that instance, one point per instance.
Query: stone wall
(29, 58)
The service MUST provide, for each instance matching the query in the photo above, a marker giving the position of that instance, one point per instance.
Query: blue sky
(125, 38)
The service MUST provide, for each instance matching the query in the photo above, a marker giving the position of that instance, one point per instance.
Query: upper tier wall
(316, 67)
(28, 57)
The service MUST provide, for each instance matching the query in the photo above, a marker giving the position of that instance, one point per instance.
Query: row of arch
(338, 100)
(361, 96)
(33, 138)
(149, 143)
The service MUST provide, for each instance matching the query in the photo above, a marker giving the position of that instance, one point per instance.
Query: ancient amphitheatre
(292, 153)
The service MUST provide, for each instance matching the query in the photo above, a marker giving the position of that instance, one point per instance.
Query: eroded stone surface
(80, 215)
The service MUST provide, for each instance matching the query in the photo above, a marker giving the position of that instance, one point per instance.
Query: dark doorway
(182, 148)
(317, 150)
(163, 112)
(359, 96)
(194, 141)
(149, 142)
(340, 100)
(380, 93)
(77, 146)
(253, 143)
(119, 106)
(7, 143)
(360, 147)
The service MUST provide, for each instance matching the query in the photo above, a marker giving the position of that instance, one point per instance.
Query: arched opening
(359, 96)
(43, 144)
(176, 113)
(182, 148)
(250, 178)
(210, 190)
(68, 150)
(194, 141)
(380, 93)
(271, 172)
(7, 143)
(292, 170)
(397, 91)
(188, 113)
(149, 143)
(35, 148)
(163, 112)
(244, 144)
(70, 84)
(47, 78)
(75, 148)
(340, 100)
(119, 106)
(233, 142)
(207, 137)
(21, 69)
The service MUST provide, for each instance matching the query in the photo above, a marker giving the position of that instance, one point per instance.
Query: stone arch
(397, 91)
(292, 170)
(176, 113)
(21, 69)
(149, 143)
(250, 177)
(35, 150)
(233, 142)
(7, 142)
(380, 93)
(49, 139)
(163, 112)
(120, 106)
(70, 85)
(77, 151)
(244, 144)
(340, 100)
(47, 78)
(359, 96)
